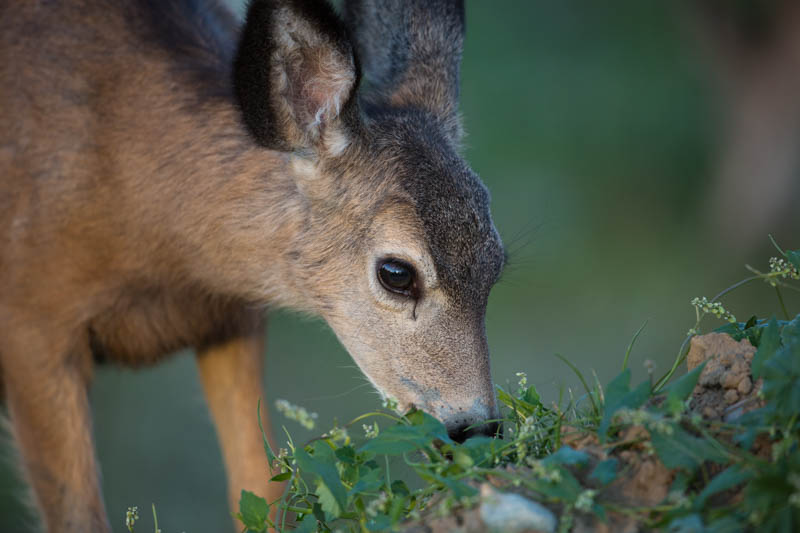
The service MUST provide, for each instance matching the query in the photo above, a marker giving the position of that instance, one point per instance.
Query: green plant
(132, 515)
(337, 482)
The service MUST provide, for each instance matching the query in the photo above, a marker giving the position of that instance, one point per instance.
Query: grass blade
(583, 382)
(630, 345)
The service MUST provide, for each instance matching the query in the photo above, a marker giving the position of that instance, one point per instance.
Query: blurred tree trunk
(754, 48)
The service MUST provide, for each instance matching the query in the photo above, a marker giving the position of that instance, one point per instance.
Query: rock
(504, 512)
(745, 385)
(731, 396)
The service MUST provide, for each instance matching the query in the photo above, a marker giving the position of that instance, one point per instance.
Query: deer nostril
(462, 430)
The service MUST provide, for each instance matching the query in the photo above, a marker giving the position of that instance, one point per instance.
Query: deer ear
(411, 54)
(294, 72)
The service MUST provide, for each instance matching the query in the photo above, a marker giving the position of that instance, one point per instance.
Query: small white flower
(378, 505)
(390, 403)
(371, 432)
(338, 434)
(523, 382)
(294, 412)
(713, 308)
(794, 499)
(780, 267)
(585, 500)
(131, 516)
(542, 471)
(680, 499)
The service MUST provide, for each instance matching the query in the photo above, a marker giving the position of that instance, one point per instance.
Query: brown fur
(143, 209)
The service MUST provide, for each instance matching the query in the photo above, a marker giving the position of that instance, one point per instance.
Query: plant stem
(783, 305)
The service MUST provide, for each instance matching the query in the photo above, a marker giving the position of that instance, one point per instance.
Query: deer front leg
(46, 377)
(232, 373)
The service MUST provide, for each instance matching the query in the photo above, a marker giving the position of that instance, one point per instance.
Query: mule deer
(164, 181)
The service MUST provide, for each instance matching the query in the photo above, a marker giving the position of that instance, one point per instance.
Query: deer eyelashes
(398, 277)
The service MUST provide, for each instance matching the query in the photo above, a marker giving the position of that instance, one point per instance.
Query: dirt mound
(725, 389)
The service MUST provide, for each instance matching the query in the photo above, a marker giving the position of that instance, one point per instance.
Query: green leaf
(567, 456)
(399, 488)
(480, 447)
(770, 342)
(430, 427)
(253, 511)
(319, 513)
(769, 489)
(397, 507)
(781, 374)
(680, 390)
(747, 437)
(605, 471)
(794, 258)
(308, 525)
(629, 400)
(619, 387)
(532, 397)
(380, 522)
(791, 331)
(682, 450)
(780, 521)
(370, 481)
(614, 392)
(462, 458)
(567, 489)
(458, 488)
(281, 477)
(680, 482)
(727, 524)
(638, 396)
(526, 409)
(328, 501)
(346, 454)
(322, 466)
(692, 523)
(390, 443)
(731, 329)
(727, 479)
(402, 438)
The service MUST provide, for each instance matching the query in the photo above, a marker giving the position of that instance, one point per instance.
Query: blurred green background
(597, 127)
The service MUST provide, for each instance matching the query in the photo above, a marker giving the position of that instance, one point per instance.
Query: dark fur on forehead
(450, 200)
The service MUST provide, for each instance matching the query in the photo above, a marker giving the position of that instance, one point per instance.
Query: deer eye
(396, 276)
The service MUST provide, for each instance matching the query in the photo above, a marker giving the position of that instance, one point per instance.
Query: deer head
(397, 249)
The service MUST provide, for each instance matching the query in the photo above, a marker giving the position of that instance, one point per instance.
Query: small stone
(745, 386)
(730, 380)
(710, 412)
(512, 513)
(731, 396)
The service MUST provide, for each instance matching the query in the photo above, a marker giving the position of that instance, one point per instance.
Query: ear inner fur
(294, 72)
